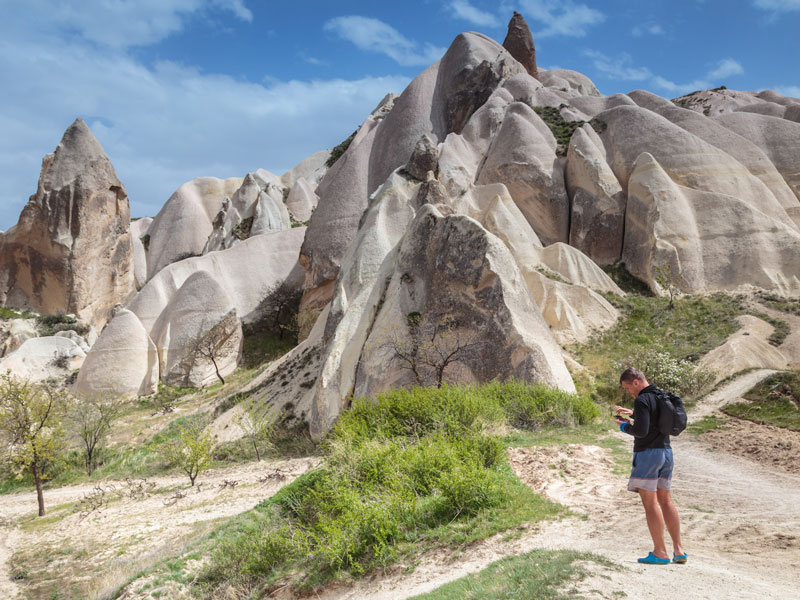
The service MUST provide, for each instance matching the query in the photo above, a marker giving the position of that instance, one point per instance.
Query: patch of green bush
(781, 329)
(561, 128)
(52, 324)
(339, 150)
(540, 574)
(404, 471)
(788, 305)
(9, 313)
(625, 280)
(693, 327)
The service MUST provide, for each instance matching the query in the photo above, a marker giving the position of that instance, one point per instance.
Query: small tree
(91, 418)
(279, 308)
(669, 282)
(215, 343)
(30, 425)
(191, 450)
(258, 429)
(430, 347)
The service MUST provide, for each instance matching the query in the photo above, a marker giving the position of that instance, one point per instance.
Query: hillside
(499, 238)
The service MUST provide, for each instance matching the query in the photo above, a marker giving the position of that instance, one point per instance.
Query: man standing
(651, 475)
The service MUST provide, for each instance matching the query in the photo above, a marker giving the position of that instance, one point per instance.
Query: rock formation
(198, 334)
(474, 209)
(71, 250)
(123, 360)
(519, 43)
(41, 358)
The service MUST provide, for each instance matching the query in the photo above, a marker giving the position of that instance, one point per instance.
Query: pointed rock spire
(71, 250)
(519, 43)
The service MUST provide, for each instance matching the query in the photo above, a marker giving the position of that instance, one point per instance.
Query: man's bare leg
(670, 514)
(655, 522)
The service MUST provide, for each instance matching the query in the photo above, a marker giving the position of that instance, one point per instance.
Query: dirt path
(740, 523)
(728, 393)
(100, 550)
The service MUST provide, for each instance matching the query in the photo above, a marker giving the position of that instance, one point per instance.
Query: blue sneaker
(652, 559)
(680, 560)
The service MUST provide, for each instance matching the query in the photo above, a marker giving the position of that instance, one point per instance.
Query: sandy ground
(109, 545)
(740, 523)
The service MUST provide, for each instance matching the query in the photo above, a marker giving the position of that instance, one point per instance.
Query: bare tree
(215, 343)
(279, 307)
(429, 347)
(91, 417)
(258, 428)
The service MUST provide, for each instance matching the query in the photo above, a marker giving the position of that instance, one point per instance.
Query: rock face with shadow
(71, 250)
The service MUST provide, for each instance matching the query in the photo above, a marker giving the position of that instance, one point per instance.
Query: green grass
(9, 313)
(562, 129)
(775, 401)
(261, 345)
(116, 462)
(695, 325)
(787, 305)
(706, 424)
(404, 472)
(537, 575)
(781, 328)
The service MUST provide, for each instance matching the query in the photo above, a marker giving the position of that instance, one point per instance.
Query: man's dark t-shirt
(645, 422)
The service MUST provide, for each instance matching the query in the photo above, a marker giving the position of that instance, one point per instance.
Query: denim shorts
(652, 470)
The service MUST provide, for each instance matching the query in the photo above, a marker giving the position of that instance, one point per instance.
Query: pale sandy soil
(741, 526)
(740, 522)
(103, 549)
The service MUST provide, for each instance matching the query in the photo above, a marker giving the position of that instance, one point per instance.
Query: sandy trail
(740, 525)
(740, 519)
(129, 534)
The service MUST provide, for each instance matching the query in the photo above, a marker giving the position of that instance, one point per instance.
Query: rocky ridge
(473, 209)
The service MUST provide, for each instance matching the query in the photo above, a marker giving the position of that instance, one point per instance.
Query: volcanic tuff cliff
(71, 249)
(476, 206)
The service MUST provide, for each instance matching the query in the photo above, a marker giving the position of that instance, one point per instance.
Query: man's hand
(621, 410)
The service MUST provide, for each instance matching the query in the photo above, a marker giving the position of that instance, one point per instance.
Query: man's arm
(641, 420)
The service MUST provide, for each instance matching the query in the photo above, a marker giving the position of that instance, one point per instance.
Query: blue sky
(177, 89)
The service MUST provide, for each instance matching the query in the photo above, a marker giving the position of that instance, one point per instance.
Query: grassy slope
(537, 575)
(775, 401)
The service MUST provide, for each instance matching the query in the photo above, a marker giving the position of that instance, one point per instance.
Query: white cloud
(792, 91)
(621, 68)
(120, 24)
(651, 29)
(561, 18)
(162, 124)
(464, 10)
(376, 36)
(777, 6)
(726, 68)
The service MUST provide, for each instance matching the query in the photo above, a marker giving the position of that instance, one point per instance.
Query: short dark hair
(630, 374)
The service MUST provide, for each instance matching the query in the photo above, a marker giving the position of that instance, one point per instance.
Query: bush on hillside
(667, 373)
(406, 467)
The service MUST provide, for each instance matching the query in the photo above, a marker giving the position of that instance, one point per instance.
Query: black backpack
(671, 414)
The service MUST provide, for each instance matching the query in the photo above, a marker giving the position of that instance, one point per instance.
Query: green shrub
(8, 313)
(405, 467)
(662, 370)
(339, 150)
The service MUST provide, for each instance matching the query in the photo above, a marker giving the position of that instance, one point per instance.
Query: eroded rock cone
(71, 250)
(519, 43)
